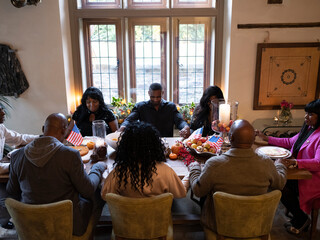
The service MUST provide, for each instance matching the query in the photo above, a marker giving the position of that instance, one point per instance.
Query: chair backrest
(245, 216)
(140, 218)
(45, 221)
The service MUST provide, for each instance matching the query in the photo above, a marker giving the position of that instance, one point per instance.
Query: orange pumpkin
(176, 148)
(173, 156)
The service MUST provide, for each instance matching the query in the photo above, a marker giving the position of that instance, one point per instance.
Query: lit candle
(224, 113)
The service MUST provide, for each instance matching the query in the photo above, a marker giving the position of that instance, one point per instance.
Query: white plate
(274, 152)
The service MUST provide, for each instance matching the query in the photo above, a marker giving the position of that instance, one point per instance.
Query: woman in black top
(203, 113)
(93, 108)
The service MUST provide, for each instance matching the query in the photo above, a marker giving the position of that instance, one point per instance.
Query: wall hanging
(287, 71)
(13, 82)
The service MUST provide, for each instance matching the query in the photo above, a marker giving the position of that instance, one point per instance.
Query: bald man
(46, 171)
(238, 171)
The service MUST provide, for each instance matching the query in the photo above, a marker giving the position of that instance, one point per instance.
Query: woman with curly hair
(93, 108)
(203, 113)
(140, 168)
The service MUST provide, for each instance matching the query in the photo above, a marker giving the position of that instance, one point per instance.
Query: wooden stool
(314, 218)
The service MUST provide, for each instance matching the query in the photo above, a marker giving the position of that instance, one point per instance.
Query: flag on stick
(75, 136)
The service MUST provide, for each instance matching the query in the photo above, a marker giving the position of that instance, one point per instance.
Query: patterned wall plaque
(287, 71)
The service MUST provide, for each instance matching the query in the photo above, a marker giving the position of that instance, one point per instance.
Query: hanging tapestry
(13, 82)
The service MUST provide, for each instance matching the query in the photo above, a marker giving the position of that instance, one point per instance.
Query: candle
(224, 113)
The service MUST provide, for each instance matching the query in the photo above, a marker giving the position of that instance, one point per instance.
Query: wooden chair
(141, 218)
(314, 218)
(248, 217)
(53, 221)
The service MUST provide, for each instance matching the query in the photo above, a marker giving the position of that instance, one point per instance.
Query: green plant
(121, 109)
(187, 111)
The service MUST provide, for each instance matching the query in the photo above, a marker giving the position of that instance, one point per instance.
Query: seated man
(14, 139)
(239, 171)
(46, 171)
(158, 112)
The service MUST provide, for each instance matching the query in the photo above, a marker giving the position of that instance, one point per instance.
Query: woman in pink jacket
(298, 195)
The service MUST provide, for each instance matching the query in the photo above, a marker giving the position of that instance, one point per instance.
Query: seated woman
(298, 195)
(203, 113)
(140, 168)
(93, 108)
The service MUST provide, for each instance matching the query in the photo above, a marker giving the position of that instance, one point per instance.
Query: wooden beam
(279, 25)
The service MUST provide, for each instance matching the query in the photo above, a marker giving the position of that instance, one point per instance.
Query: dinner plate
(274, 152)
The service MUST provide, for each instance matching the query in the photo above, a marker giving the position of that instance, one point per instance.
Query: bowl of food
(112, 139)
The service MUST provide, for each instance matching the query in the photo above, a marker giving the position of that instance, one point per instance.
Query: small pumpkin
(176, 148)
(173, 156)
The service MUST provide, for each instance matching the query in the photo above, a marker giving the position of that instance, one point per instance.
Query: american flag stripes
(75, 136)
(215, 142)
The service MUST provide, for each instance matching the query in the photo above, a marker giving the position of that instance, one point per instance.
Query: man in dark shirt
(158, 112)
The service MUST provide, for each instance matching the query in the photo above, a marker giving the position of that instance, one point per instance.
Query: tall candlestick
(224, 113)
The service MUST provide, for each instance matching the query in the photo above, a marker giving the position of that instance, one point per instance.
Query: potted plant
(121, 108)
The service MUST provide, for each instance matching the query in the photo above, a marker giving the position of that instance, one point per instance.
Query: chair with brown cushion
(51, 221)
(244, 217)
(314, 218)
(141, 218)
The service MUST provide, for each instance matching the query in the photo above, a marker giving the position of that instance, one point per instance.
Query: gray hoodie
(41, 150)
(46, 171)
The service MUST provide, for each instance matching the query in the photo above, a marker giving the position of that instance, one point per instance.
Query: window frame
(86, 37)
(207, 48)
(76, 15)
(99, 5)
(163, 31)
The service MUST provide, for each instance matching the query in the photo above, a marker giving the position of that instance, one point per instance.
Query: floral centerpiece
(121, 109)
(187, 111)
(285, 115)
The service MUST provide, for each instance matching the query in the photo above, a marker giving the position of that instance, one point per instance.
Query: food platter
(274, 152)
(83, 151)
(201, 154)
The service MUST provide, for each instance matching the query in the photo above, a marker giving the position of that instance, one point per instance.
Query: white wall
(35, 31)
(243, 48)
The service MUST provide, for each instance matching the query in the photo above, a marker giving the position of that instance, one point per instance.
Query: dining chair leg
(314, 219)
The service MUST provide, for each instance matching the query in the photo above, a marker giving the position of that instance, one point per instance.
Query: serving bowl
(112, 139)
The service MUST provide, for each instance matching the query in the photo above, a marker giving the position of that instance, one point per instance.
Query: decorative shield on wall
(287, 71)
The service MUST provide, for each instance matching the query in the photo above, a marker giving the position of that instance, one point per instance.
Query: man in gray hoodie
(46, 171)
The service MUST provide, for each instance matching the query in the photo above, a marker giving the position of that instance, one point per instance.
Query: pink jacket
(308, 158)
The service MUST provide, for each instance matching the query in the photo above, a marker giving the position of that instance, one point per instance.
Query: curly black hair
(93, 93)
(139, 150)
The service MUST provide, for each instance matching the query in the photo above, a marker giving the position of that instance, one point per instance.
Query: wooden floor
(194, 232)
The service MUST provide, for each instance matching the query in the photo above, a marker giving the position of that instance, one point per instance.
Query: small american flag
(75, 136)
(215, 142)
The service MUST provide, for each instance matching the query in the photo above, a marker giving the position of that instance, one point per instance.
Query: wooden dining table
(177, 165)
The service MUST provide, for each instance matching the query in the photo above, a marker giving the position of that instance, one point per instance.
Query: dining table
(177, 165)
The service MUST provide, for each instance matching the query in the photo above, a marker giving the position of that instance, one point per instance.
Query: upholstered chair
(244, 217)
(51, 221)
(141, 218)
